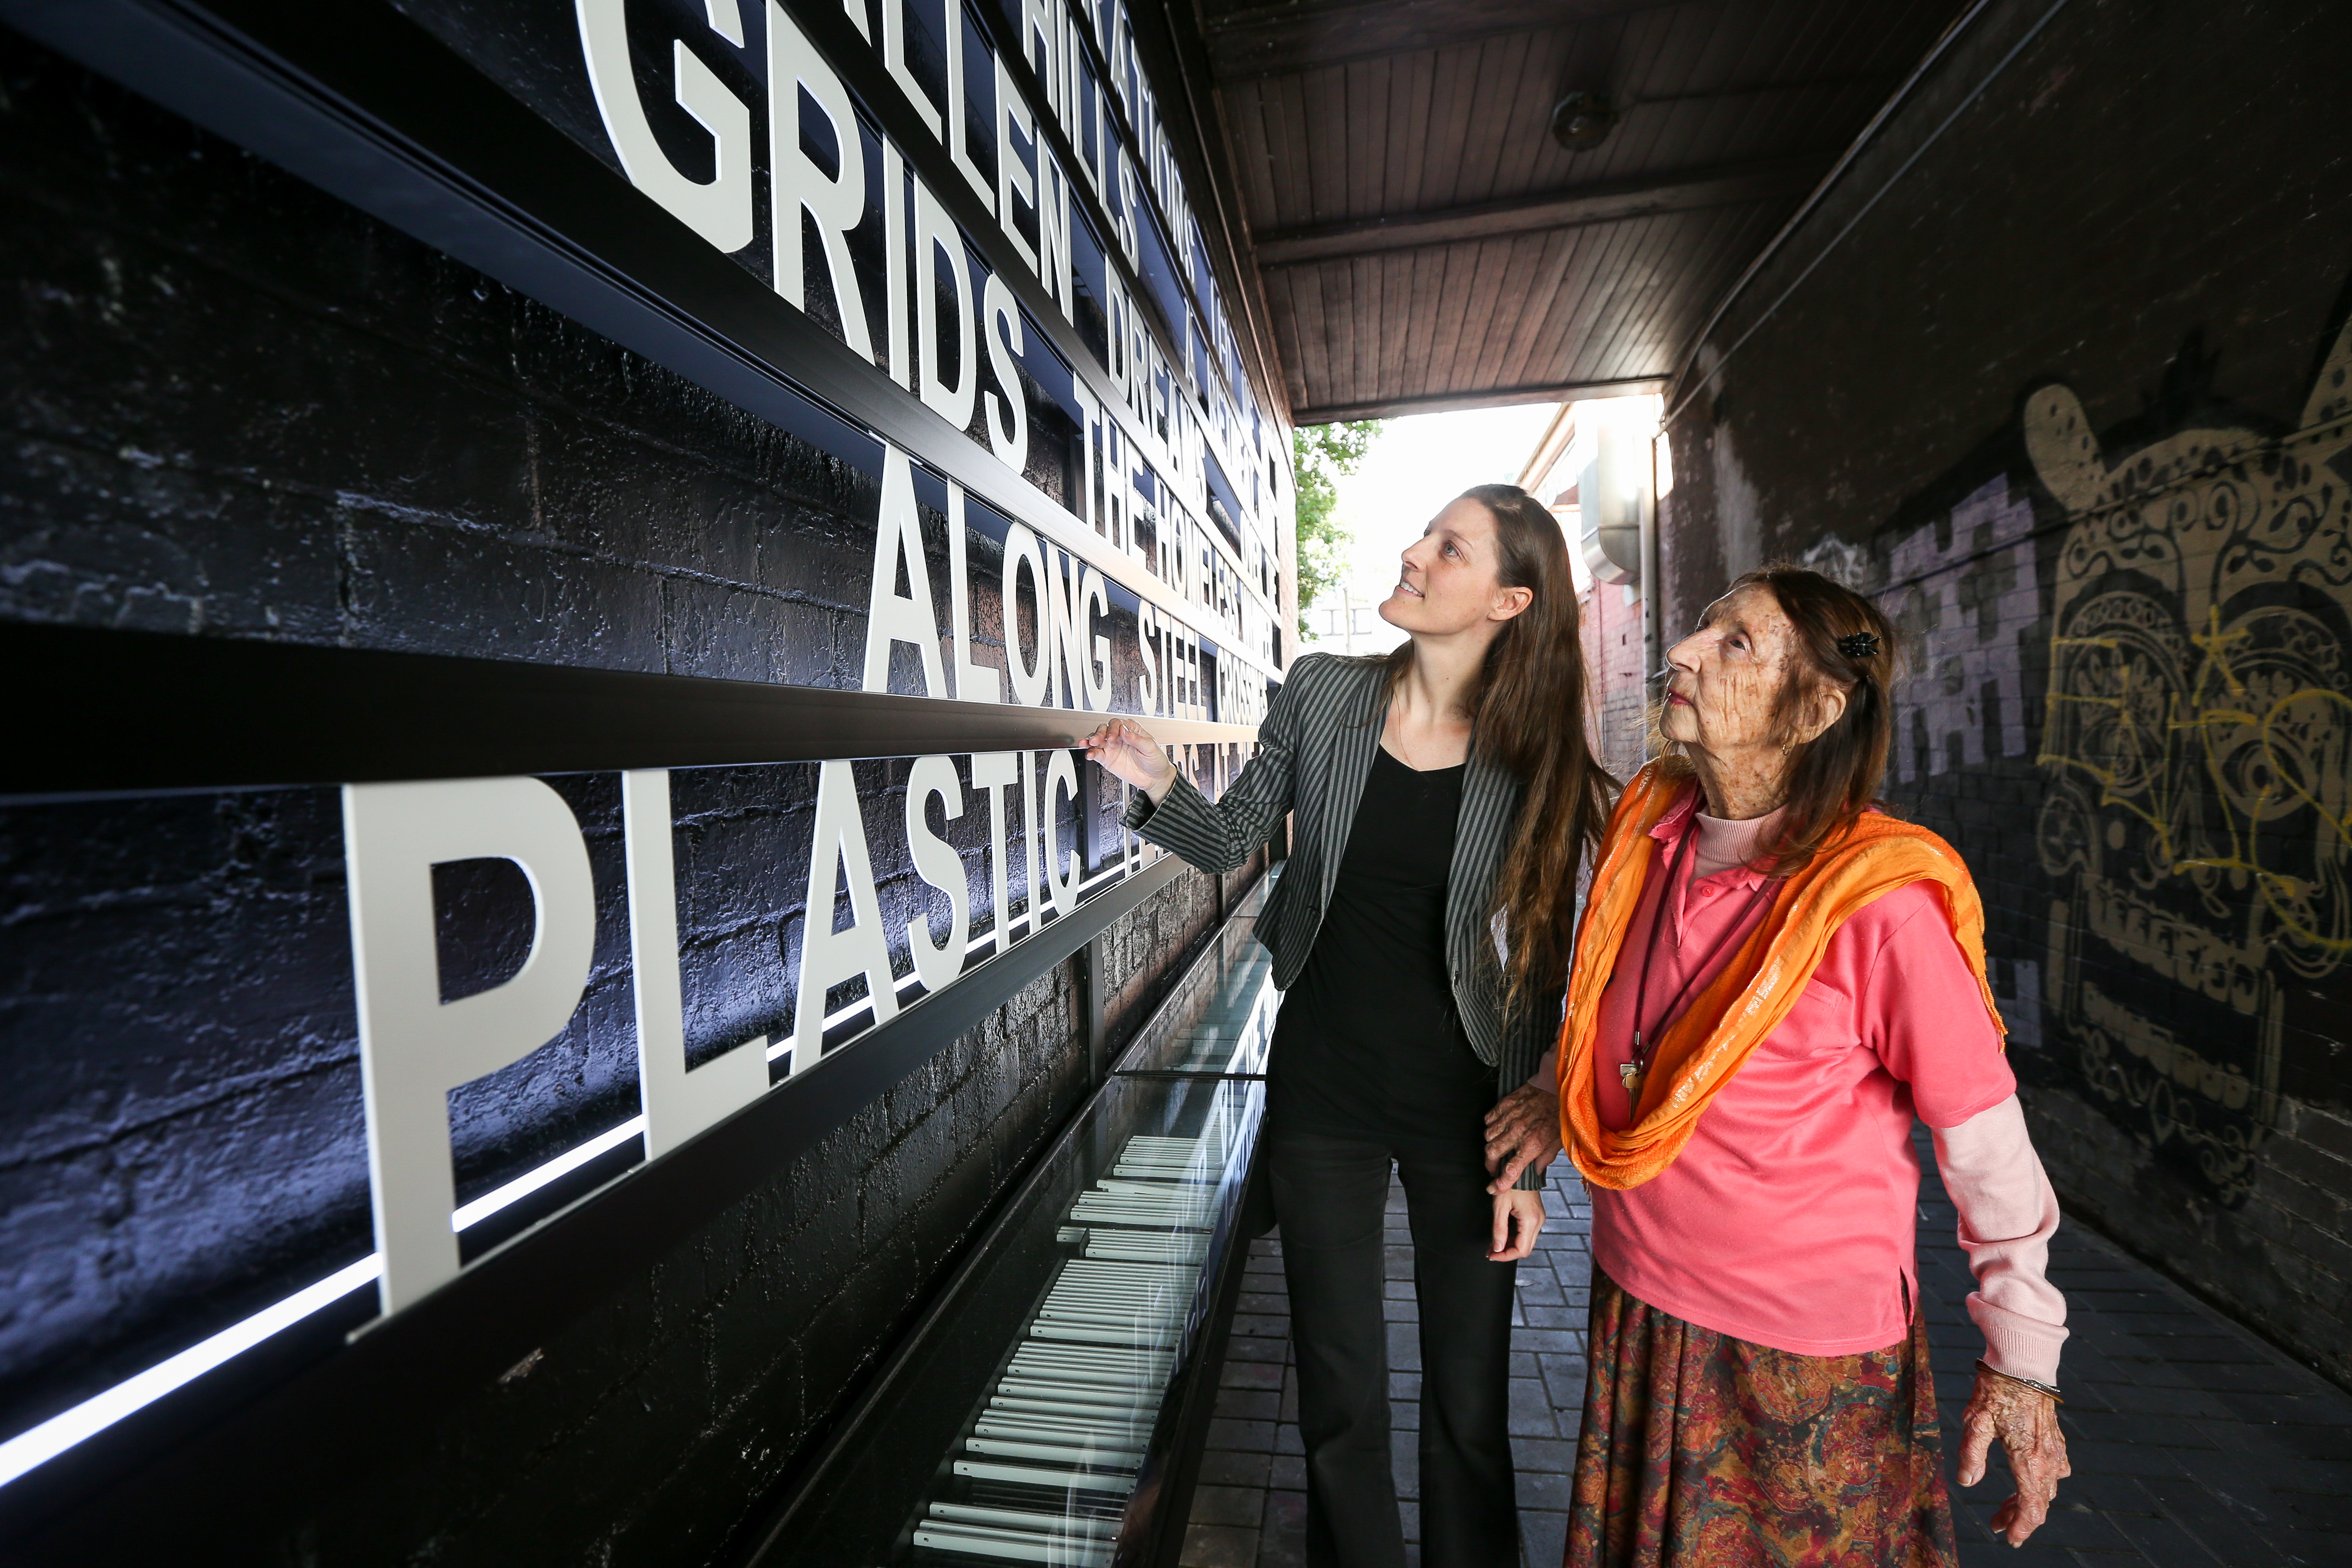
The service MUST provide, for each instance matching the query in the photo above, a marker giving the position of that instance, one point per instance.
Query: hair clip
(1859, 646)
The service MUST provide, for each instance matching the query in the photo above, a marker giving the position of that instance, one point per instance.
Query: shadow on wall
(2193, 674)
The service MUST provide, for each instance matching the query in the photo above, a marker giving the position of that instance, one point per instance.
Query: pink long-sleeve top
(1789, 1219)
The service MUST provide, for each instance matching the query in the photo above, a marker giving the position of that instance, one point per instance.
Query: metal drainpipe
(1653, 590)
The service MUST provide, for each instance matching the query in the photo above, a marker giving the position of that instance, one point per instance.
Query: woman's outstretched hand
(2026, 1422)
(1522, 1130)
(1128, 750)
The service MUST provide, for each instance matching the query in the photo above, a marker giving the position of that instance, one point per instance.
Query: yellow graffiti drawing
(2198, 736)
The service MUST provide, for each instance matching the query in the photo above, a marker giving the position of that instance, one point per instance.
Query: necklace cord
(1646, 1050)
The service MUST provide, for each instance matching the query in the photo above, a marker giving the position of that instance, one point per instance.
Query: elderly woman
(1772, 980)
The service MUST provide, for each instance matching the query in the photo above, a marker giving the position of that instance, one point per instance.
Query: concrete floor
(2194, 1443)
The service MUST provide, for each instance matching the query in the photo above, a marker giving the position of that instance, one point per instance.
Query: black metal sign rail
(97, 713)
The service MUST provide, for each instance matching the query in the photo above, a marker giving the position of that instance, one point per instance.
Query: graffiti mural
(2195, 741)
(1963, 589)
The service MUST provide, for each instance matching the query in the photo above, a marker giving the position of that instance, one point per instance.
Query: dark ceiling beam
(1488, 397)
(1270, 40)
(1600, 201)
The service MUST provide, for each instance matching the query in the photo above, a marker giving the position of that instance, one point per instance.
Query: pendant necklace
(1403, 754)
(1645, 1043)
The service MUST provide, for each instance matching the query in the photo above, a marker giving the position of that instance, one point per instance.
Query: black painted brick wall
(233, 407)
(2148, 206)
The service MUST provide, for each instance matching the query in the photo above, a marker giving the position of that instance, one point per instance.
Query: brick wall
(2066, 396)
(1612, 653)
(233, 407)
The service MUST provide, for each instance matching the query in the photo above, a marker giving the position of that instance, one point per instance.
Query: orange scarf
(1703, 1048)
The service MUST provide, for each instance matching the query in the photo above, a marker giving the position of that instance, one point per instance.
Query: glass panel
(1029, 1408)
(1220, 1018)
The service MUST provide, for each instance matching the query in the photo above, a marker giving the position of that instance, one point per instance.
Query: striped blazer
(1315, 751)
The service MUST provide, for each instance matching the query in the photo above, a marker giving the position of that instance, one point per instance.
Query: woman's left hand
(1518, 1218)
(2026, 1422)
(1522, 1130)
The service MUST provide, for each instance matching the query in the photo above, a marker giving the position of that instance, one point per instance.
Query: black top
(1368, 1043)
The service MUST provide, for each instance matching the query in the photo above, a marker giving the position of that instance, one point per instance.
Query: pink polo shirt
(1788, 1218)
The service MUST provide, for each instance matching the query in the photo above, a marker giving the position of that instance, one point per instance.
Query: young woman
(1772, 980)
(1443, 795)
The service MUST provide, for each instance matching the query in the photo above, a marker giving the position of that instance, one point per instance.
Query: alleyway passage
(2194, 1443)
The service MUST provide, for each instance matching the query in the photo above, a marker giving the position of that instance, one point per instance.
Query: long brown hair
(1528, 717)
(1842, 640)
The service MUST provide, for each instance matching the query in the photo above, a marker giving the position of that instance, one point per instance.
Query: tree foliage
(1323, 452)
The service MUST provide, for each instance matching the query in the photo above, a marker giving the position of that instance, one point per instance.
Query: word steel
(1071, 664)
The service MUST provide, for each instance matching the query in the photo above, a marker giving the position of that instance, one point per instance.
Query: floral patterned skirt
(1703, 1451)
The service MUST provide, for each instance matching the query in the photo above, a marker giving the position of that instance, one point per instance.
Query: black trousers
(1330, 1196)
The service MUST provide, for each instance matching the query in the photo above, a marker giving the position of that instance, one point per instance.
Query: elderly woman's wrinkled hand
(2026, 1422)
(1522, 1130)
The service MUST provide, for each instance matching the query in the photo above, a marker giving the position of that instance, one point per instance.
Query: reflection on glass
(1220, 1018)
(1027, 1419)
(1033, 1416)
(1047, 1462)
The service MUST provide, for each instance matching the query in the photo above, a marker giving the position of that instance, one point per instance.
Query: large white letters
(938, 239)
(891, 616)
(1062, 873)
(1013, 178)
(958, 149)
(894, 261)
(1147, 637)
(1093, 600)
(1008, 434)
(937, 863)
(991, 773)
(974, 682)
(413, 1048)
(837, 204)
(677, 1104)
(830, 957)
(718, 209)
(1030, 675)
(894, 59)
(1066, 670)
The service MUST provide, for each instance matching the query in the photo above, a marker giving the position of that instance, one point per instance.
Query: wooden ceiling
(1419, 241)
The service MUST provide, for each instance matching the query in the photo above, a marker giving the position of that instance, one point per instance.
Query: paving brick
(1228, 1505)
(1266, 1375)
(1564, 1380)
(1251, 1404)
(1218, 1546)
(1531, 1414)
(2163, 1541)
(1235, 1467)
(2192, 1442)
(1543, 1490)
(1543, 1537)
(1553, 1454)
(1246, 1435)
(1282, 1538)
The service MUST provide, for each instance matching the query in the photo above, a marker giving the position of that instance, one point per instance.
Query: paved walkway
(2194, 1443)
